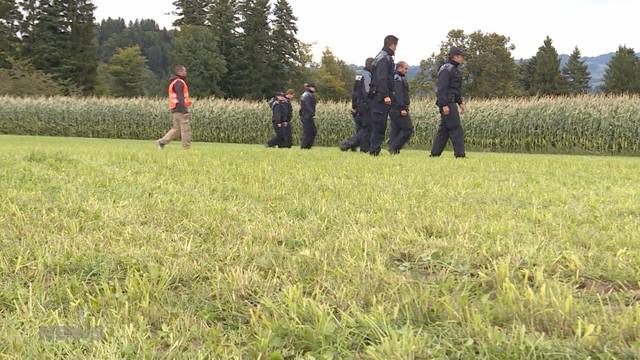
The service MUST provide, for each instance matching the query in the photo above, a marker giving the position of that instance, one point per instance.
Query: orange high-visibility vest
(173, 96)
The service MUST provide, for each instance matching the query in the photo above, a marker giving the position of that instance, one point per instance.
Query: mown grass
(236, 251)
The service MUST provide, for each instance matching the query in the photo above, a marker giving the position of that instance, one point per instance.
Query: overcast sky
(354, 29)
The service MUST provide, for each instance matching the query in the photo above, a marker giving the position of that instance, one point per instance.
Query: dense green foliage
(154, 42)
(334, 77)
(196, 47)
(257, 40)
(58, 38)
(10, 18)
(490, 70)
(576, 74)
(623, 74)
(19, 78)
(224, 20)
(585, 124)
(543, 72)
(126, 74)
(241, 252)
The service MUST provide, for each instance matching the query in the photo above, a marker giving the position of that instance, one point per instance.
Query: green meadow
(112, 249)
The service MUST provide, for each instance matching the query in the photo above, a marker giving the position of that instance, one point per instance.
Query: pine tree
(623, 74)
(526, 70)
(254, 68)
(191, 12)
(224, 20)
(576, 74)
(82, 64)
(58, 38)
(547, 79)
(285, 56)
(10, 18)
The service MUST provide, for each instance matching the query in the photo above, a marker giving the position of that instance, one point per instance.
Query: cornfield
(588, 124)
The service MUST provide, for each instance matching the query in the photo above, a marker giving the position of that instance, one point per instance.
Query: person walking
(179, 103)
(279, 121)
(451, 105)
(401, 125)
(307, 117)
(360, 111)
(380, 93)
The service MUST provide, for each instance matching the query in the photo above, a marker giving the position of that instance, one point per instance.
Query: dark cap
(310, 85)
(279, 94)
(456, 51)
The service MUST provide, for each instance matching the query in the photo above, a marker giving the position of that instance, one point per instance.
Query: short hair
(178, 68)
(291, 92)
(390, 40)
(369, 63)
(401, 64)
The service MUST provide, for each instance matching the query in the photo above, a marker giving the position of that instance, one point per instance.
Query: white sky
(354, 29)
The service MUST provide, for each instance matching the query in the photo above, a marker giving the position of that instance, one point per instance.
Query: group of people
(380, 91)
(282, 116)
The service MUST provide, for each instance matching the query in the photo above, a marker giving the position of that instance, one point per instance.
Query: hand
(462, 109)
(354, 111)
(387, 100)
(446, 111)
(404, 113)
(279, 125)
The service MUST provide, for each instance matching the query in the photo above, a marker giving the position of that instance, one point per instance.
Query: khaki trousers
(181, 124)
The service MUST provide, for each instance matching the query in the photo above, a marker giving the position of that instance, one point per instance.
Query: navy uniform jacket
(401, 99)
(288, 110)
(449, 88)
(361, 87)
(382, 76)
(307, 105)
(278, 113)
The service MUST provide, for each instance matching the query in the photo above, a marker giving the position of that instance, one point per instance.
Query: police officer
(449, 92)
(401, 125)
(380, 92)
(279, 121)
(360, 111)
(307, 116)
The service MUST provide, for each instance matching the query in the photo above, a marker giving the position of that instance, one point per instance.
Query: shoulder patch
(447, 67)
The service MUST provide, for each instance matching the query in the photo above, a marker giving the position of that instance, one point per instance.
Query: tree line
(491, 70)
(247, 49)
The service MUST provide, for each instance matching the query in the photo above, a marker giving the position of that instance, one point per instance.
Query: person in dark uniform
(451, 105)
(279, 121)
(401, 125)
(380, 93)
(360, 111)
(307, 116)
(288, 130)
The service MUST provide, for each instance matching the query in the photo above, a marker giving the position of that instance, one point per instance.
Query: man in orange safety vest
(179, 103)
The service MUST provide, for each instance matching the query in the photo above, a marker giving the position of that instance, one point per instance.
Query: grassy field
(112, 249)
